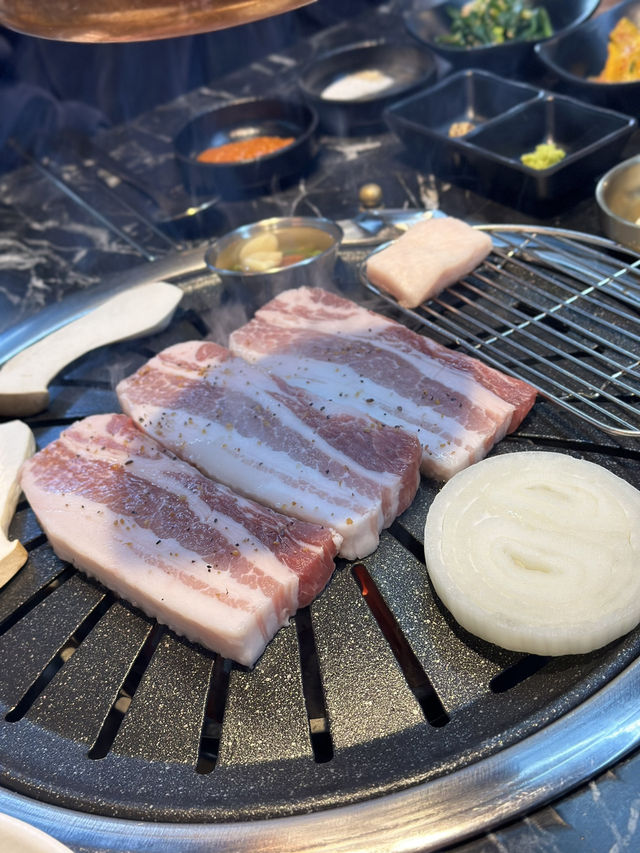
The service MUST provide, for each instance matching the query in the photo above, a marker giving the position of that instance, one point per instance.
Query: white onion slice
(537, 552)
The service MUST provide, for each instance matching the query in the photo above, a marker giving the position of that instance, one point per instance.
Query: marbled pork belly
(222, 570)
(456, 406)
(275, 444)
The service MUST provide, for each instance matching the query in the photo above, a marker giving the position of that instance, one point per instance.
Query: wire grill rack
(556, 308)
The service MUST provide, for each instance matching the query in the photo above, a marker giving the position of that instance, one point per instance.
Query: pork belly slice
(274, 443)
(428, 257)
(456, 406)
(222, 570)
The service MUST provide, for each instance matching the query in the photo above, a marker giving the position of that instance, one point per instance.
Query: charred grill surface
(371, 690)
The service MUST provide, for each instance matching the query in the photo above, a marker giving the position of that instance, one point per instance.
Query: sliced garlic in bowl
(537, 552)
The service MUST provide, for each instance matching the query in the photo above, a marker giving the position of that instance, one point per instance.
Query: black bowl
(581, 54)
(242, 120)
(427, 23)
(408, 65)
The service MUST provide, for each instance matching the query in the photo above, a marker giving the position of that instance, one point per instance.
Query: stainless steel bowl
(618, 198)
(254, 288)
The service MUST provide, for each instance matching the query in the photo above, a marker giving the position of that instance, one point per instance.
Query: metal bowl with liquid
(308, 246)
(618, 198)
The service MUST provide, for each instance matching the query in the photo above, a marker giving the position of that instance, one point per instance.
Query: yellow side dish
(546, 154)
(461, 128)
(623, 54)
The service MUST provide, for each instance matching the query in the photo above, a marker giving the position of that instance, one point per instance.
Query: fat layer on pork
(222, 570)
(455, 405)
(430, 256)
(279, 445)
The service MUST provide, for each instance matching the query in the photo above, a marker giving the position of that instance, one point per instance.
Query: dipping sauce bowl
(257, 261)
(243, 121)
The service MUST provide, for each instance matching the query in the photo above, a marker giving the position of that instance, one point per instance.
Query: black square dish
(510, 119)
(472, 96)
(425, 121)
(591, 137)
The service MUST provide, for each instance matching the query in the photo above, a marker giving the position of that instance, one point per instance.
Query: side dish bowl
(351, 85)
(591, 137)
(429, 23)
(239, 121)
(487, 159)
(431, 123)
(580, 55)
(618, 198)
(259, 260)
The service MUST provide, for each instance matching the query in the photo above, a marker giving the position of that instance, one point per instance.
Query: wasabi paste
(546, 154)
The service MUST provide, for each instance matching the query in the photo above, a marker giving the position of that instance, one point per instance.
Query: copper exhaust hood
(134, 20)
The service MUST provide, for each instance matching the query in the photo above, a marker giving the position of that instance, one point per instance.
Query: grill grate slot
(319, 729)
(33, 642)
(517, 673)
(113, 720)
(163, 716)
(31, 586)
(78, 700)
(265, 719)
(209, 746)
(458, 666)
(417, 679)
(32, 695)
(366, 694)
(38, 540)
(555, 312)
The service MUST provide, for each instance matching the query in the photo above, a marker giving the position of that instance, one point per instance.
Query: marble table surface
(63, 229)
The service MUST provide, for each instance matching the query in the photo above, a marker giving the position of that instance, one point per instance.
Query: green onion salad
(483, 22)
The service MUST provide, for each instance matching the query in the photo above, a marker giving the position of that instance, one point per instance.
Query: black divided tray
(105, 711)
(509, 119)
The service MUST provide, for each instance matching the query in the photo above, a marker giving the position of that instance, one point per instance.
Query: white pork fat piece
(274, 443)
(456, 406)
(430, 256)
(222, 570)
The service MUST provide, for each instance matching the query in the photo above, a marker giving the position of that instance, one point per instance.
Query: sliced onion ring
(537, 552)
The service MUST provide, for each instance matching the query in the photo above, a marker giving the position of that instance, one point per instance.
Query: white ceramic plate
(19, 837)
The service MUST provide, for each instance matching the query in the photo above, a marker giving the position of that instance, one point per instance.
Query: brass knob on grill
(370, 195)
